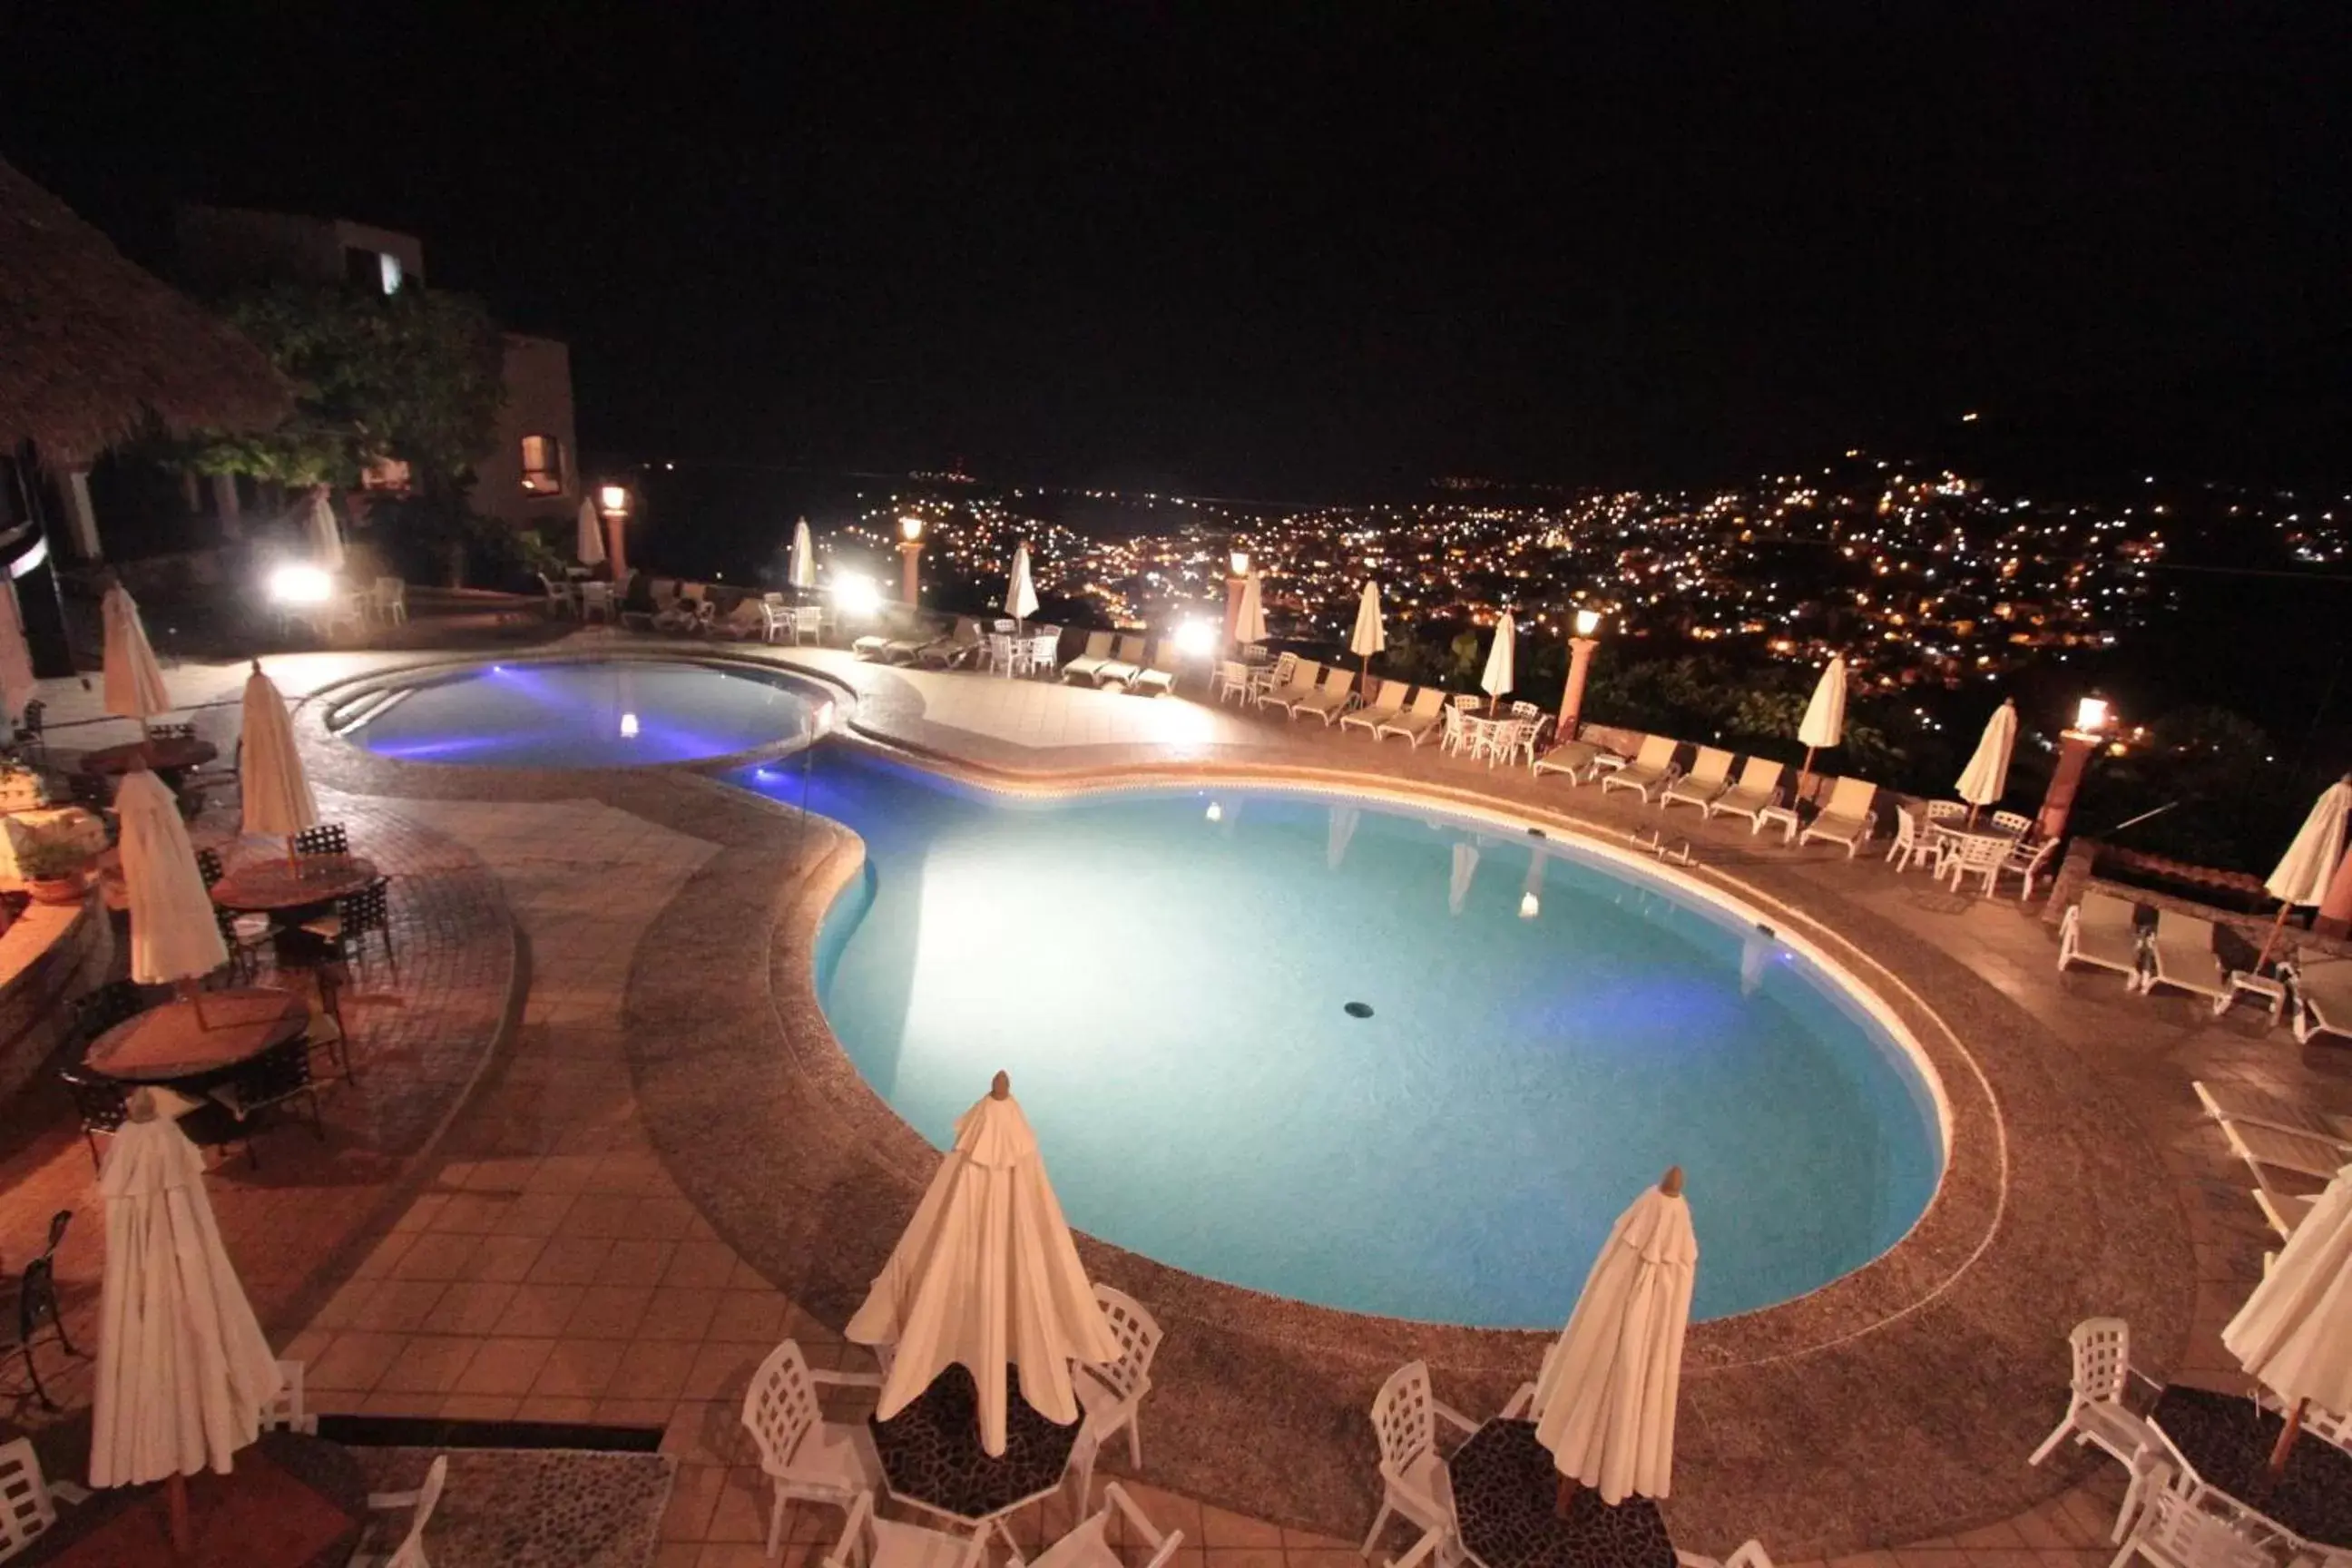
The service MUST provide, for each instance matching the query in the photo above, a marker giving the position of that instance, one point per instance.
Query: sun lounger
(1152, 680)
(1846, 818)
(957, 648)
(1652, 767)
(2323, 990)
(1305, 676)
(2182, 955)
(2259, 1146)
(692, 611)
(2102, 930)
(1708, 778)
(1758, 787)
(1573, 758)
(1088, 665)
(2233, 1102)
(1386, 705)
(2284, 1211)
(1124, 663)
(1420, 719)
(1328, 701)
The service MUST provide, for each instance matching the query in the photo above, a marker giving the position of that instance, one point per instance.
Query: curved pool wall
(1458, 1155)
(579, 712)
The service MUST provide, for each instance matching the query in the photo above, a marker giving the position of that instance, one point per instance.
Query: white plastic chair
(390, 601)
(804, 1455)
(1414, 1480)
(596, 599)
(1112, 1396)
(410, 1554)
(2096, 1413)
(2171, 1532)
(287, 1410)
(1232, 679)
(1750, 1555)
(1979, 855)
(2027, 862)
(26, 1510)
(1913, 842)
(1086, 1545)
(870, 1542)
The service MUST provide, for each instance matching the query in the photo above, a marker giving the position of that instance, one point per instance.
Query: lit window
(542, 465)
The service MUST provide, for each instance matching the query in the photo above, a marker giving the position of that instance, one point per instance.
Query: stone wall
(50, 955)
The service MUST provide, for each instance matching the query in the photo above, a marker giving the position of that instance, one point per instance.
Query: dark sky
(1300, 250)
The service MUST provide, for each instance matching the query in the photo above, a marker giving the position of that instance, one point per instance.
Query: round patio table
(166, 755)
(2225, 1440)
(1504, 1489)
(271, 884)
(931, 1455)
(292, 1501)
(175, 1043)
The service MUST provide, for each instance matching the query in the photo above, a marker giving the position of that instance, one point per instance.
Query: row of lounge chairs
(2104, 931)
(2292, 1149)
(1122, 662)
(1846, 818)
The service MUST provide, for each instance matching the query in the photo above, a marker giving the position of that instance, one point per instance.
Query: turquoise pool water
(589, 714)
(1167, 975)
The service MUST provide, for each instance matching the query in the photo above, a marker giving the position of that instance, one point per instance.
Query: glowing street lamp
(910, 555)
(612, 503)
(1240, 562)
(2091, 717)
(1580, 663)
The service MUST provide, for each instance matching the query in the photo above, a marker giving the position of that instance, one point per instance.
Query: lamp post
(2074, 749)
(910, 556)
(1580, 663)
(1239, 562)
(613, 505)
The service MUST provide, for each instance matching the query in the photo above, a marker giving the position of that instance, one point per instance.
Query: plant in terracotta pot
(56, 869)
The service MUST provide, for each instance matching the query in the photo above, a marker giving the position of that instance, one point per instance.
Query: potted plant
(56, 869)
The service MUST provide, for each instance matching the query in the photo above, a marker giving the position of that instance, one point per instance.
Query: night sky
(1301, 252)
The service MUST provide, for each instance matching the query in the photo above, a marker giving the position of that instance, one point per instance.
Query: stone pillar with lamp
(1579, 665)
(2074, 749)
(612, 504)
(910, 557)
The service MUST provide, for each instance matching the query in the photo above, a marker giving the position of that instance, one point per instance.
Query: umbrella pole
(2286, 1439)
(1804, 775)
(1564, 1498)
(293, 861)
(1972, 813)
(175, 1505)
(192, 992)
(2271, 941)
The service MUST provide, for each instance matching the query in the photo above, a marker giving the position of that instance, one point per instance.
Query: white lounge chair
(2323, 991)
(957, 648)
(1420, 719)
(1328, 701)
(1385, 705)
(2266, 1149)
(1088, 664)
(692, 611)
(1154, 680)
(1088, 1544)
(1759, 787)
(2095, 1411)
(1305, 676)
(1413, 1482)
(1126, 662)
(410, 1553)
(1709, 777)
(1845, 819)
(869, 1542)
(2283, 1211)
(2227, 1102)
(1652, 767)
(2102, 930)
(1579, 760)
(2182, 955)
(804, 1456)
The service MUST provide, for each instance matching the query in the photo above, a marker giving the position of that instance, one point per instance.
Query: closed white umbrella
(173, 935)
(1824, 721)
(17, 682)
(1249, 616)
(2302, 874)
(803, 574)
(987, 1277)
(1987, 775)
(1020, 594)
(1499, 675)
(133, 680)
(278, 798)
(326, 538)
(1370, 636)
(1604, 1403)
(588, 542)
(2294, 1335)
(184, 1370)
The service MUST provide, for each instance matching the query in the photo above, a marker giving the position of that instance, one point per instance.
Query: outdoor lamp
(1587, 622)
(1196, 638)
(2091, 715)
(296, 584)
(613, 500)
(911, 529)
(856, 594)
(1241, 562)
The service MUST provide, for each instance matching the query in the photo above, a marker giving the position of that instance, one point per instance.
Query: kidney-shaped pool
(1358, 1057)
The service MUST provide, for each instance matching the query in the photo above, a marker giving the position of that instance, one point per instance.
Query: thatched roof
(93, 348)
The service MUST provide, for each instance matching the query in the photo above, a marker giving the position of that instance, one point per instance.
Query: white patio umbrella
(2302, 874)
(1987, 775)
(278, 798)
(326, 538)
(804, 572)
(987, 1276)
(17, 682)
(182, 1368)
(1499, 675)
(173, 935)
(1020, 594)
(1370, 636)
(2294, 1335)
(1825, 721)
(133, 680)
(1249, 616)
(1604, 1402)
(588, 539)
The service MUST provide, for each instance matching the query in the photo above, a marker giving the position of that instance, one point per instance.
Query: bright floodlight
(1196, 638)
(855, 593)
(1241, 562)
(2091, 715)
(300, 586)
(1587, 622)
(910, 528)
(613, 499)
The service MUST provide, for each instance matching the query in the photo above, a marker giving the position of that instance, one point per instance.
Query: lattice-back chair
(101, 1102)
(324, 839)
(99, 1010)
(181, 731)
(1947, 811)
(804, 1455)
(1413, 1482)
(30, 740)
(26, 1511)
(2095, 1412)
(356, 914)
(240, 949)
(37, 1303)
(327, 1032)
(278, 1075)
(2015, 822)
(2172, 1532)
(1112, 1396)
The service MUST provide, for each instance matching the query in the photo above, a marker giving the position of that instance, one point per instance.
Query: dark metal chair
(356, 914)
(103, 1103)
(37, 1303)
(95, 1012)
(278, 1075)
(31, 743)
(240, 946)
(172, 732)
(326, 838)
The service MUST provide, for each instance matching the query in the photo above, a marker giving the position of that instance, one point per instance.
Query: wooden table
(272, 884)
(170, 1044)
(1504, 1486)
(2225, 1441)
(292, 1501)
(169, 756)
(931, 1455)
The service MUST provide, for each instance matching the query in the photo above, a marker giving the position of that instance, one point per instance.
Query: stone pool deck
(664, 1169)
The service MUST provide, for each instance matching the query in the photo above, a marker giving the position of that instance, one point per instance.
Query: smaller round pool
(612, 713)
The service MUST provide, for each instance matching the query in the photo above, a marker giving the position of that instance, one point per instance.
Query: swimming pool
(1174, 979)
(581, 714)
